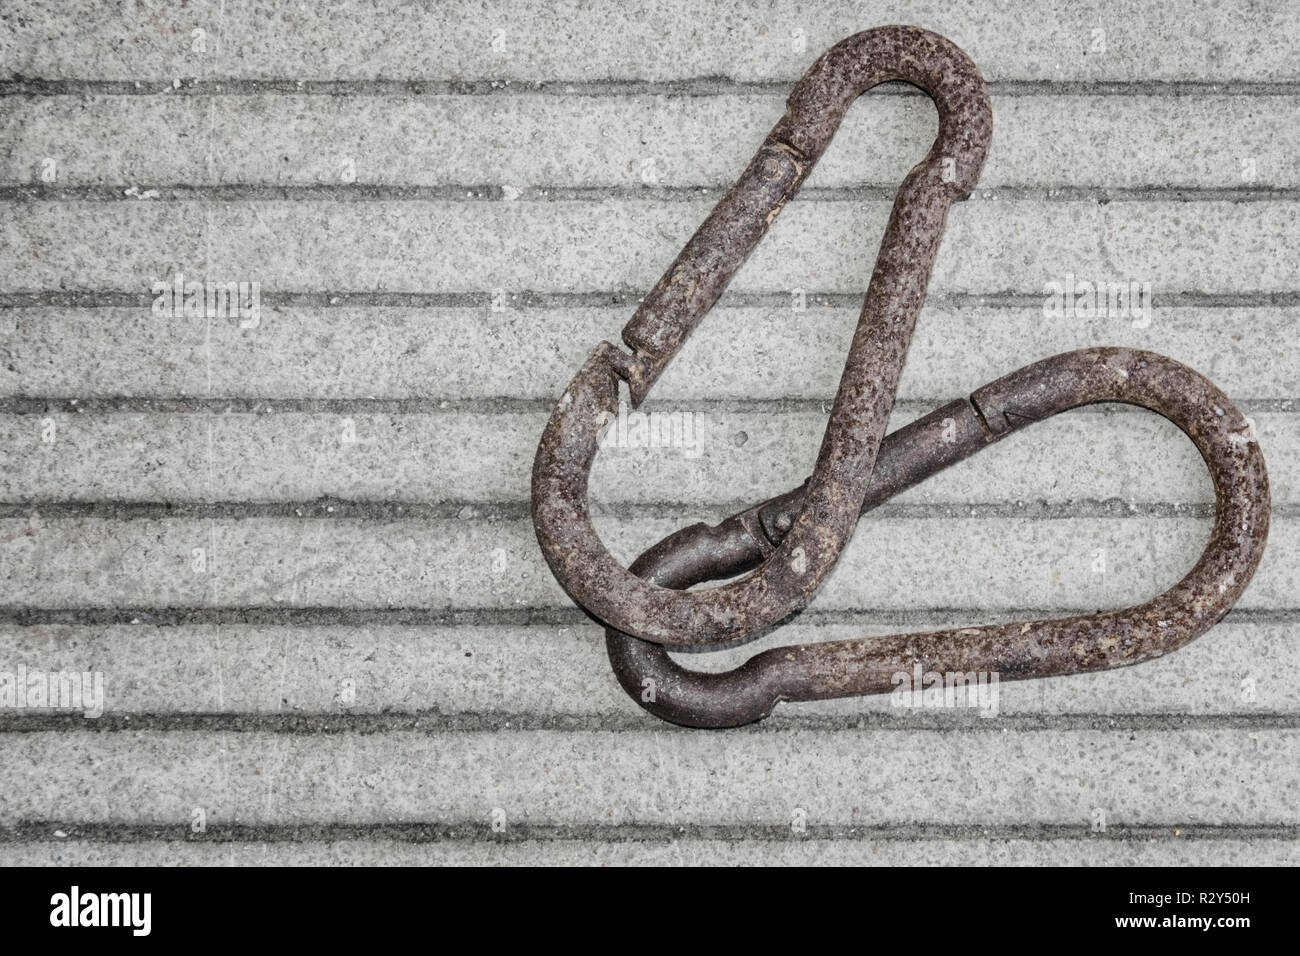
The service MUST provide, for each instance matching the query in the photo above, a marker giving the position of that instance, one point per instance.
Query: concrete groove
(626, 720)
(69, 831)
(687, 87)
(381, 192)
(15, 615)
(64, 831)
(496, 405)
(338, 509)
(532, 299)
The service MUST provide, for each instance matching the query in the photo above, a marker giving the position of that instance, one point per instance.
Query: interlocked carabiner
(1016, 651)
(787, 576)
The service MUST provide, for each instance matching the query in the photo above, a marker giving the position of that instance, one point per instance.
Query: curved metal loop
(1014, 651)
(792, 572)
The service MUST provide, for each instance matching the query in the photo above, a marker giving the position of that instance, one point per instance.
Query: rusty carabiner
(1016, 651)
(790, 573)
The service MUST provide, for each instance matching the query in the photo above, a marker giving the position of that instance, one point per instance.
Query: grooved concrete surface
(292, 540)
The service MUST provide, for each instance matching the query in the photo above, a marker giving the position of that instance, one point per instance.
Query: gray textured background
(447, 207)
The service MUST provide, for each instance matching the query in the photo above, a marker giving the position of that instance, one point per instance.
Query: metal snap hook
(788, 574)
(1015, 651)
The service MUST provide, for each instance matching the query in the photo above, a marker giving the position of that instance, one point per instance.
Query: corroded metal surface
(778, 552)
(1014, 651)
(792, 572)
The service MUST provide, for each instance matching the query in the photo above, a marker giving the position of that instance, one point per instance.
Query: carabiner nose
(793, 570)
